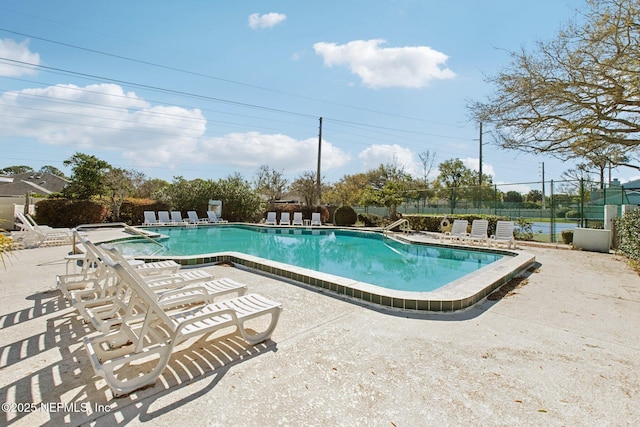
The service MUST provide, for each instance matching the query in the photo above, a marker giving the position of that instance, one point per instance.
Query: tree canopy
(576, 96)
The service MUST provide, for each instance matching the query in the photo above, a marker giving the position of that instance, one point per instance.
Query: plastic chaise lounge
(150, 218)
(504, 234)
(34, 235)
(271, 219)
(478, 233)
(154, 339)
(117, 305)
(176, 218)
(458, 230)
(163, 218)
(98, 277)
(214, 218)
(285, 218)
(297, 219)
(315, 219)
(193, 218)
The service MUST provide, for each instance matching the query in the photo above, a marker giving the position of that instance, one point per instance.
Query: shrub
(562, 212)
(572, 214)
(345, 216)
(70, 213)
(567, 236)
(628, 230)
(523, 230)
(370, 220)
(132, 210)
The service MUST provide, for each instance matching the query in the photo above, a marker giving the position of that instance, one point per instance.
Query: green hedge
(132, 210)
(69, 213)
(628, 230)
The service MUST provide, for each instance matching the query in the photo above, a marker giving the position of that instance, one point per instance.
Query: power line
(194, 73)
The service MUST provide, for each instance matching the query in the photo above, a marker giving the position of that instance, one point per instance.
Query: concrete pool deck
(560, 349)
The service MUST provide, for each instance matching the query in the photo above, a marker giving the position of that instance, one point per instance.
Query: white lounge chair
(34, 235)
(214, 218)
(117, 306)
(316, 219)
(155, 338)
(478, 233)
(163, 218)
(504, 234)
(176, 218)
(271, 219)
(193, 218)
(457, 232)
(285, 218)
(94, 277)
(150, 218)
(297, 219)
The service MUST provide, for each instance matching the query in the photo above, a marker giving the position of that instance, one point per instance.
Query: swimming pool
(362, 256)
(288, 243)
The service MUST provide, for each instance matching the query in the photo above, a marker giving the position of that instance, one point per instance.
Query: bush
(523, 230)
(562, 212)
(370, 220)
(132, 210)
(628, 230)
(567, 236)
(572, 214)
(70, 213)
(345, 216)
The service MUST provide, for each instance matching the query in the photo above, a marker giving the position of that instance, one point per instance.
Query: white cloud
(375, 155)
(267, 20)
(105, 117)
(251, 149)
(411, 67)
(11, 50)
(474, 164)
(101, 116)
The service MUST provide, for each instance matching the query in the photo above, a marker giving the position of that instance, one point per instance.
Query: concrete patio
(560, 349)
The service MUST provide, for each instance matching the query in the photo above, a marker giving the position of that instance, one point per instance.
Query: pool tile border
(457, 295)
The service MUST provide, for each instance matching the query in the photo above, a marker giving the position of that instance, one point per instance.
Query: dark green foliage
(345, 216)
(567, 236)
(628, 230)
(132, 210)
(523, 230)
(70, 213)
(370, 220)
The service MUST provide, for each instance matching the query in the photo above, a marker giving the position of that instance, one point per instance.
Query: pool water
(362, 256)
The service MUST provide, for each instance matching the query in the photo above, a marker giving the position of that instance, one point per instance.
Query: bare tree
(576, 94)
(270, 183)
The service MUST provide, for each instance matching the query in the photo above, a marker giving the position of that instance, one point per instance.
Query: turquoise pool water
(366, 257)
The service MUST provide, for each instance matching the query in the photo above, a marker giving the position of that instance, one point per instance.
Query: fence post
(553, 216)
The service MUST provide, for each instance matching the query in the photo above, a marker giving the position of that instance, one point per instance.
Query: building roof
(632, 185)
(39, 183)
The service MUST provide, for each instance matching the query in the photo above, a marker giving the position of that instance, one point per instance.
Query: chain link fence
(543, 212)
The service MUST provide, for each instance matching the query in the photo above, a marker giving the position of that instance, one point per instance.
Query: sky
(207, 89)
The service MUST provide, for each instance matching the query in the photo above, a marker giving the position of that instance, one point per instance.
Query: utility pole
(543, 198)
(480, 168)
(480, 171)
(319, 191)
